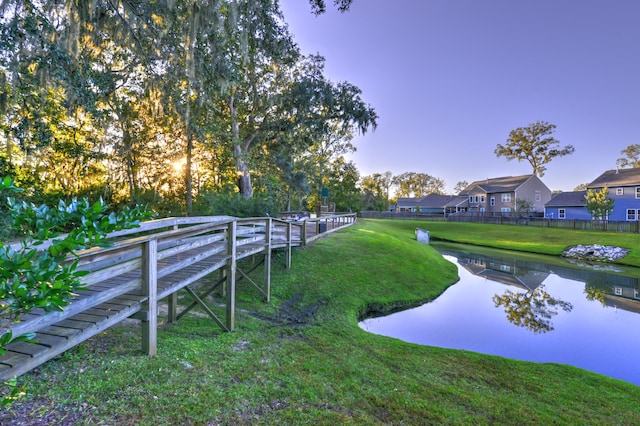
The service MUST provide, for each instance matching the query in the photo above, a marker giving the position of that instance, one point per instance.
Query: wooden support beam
(267, 260)
(202, 296)
(172, 302)
(231, 275)
(150, 291)
(289, 247)
(206, 308)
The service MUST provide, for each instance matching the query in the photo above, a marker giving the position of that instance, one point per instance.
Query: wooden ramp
(154, 262)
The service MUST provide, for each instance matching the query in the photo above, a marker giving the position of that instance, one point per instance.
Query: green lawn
(302, 359)
(524, 238)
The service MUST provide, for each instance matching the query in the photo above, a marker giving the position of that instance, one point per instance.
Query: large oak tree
(535, 144)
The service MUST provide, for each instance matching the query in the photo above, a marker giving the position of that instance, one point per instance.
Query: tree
(631, 157)
(320, 6)
(598, 204)
(523, 205)
(411, 184)
(375, 190)
(581, 187)
(535, 144)
(460, 186)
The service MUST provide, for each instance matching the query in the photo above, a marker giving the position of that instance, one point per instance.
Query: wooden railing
(151, 263)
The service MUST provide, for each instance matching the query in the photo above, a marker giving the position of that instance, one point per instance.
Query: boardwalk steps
(151, 263)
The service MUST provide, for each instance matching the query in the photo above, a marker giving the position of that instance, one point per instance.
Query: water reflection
(535, 308)
(531, 309)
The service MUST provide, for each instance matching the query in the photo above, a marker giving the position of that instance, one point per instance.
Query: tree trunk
(188, 184)
(244, 175)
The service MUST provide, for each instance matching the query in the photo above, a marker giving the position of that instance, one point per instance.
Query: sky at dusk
(450, 79)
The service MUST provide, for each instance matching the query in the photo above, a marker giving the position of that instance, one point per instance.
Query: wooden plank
(31, 349)
(94, 319)
(171, 284)
(55, 330)
(83, 331)
(75, 307)
(188, 260)
(13, 359)
(50, 340)
(78, 325)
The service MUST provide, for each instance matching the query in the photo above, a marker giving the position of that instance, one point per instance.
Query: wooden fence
(506, 219)
(154, 262)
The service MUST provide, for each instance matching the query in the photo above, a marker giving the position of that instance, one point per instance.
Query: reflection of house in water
(503, 270)
(618, 290)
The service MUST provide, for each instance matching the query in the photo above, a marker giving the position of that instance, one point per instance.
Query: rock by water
(595, 252)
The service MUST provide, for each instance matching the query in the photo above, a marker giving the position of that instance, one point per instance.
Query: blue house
(624, 190)
(567, 205)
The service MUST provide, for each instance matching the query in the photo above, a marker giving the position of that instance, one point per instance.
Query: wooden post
(303, 233)
(230, 284)
(289, 245)
(267, 259)
(150, 291)
(172, 301)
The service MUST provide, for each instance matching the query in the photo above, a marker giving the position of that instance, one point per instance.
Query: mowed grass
(530, 239)
(302, 359)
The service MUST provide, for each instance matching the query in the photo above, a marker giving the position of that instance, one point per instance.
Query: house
(443, 204)
(500, 194)
(567, 205)
(408, 204)
(433, 203)
(624, 190)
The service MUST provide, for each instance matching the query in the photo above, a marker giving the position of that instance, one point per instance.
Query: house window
(637, 192)
(631, 214)
(476, 198)
(492, 201)
(505, 209)
(538, 197)
(562, 213)
(618, 291)
(482, 209)
(506, 198)
(482, 198)
(636, 294)
(471, 198)
(620, 191)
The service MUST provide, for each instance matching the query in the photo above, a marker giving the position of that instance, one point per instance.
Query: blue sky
(450, 79)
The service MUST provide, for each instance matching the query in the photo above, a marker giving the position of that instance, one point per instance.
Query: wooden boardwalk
(154, 262)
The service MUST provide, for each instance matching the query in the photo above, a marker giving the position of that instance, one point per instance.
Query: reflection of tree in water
(595, 293)
(533, 309)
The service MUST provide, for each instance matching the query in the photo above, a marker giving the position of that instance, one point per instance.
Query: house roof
(617, 177)
(410, 202)
(568, 199)
(500, 184)
(436, 200)
(432, 201)
(456, 200)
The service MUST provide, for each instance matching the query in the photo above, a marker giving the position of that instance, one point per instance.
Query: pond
(532, 308)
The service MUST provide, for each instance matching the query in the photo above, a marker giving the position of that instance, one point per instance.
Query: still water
(533, 308)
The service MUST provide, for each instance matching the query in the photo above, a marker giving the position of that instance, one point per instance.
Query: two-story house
(500, 194)
(624, 190)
